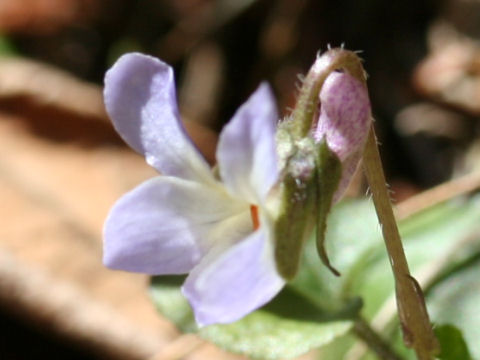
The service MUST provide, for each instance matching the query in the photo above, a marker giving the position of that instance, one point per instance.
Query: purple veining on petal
(228, 285)
(344, 114)
(246, 150)
(165, 226)
(140, 99)
(344, 121)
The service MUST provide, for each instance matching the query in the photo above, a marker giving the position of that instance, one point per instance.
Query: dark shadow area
(290, 304)
(21, 341)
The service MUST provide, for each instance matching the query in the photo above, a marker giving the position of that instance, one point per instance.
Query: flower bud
(344, 122)
(320, 146)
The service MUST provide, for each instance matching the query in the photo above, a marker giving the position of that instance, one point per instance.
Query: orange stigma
(254, 215)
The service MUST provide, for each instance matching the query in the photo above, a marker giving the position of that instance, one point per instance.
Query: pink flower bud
(344, 122)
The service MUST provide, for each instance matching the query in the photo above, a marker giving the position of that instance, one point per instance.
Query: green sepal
(328, 174)
(294, 220)
(311, 177)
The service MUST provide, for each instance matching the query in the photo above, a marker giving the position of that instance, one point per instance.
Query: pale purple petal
(140, 99)
(344, 114)
(165, 225)
(349, 167)
(226, 286)
(246, 151)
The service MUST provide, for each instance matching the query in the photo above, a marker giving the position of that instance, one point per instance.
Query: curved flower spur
(228, 231)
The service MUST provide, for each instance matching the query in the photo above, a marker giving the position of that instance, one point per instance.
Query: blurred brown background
(62, 166)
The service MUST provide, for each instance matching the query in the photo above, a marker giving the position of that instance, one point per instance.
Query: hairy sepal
(311, 176)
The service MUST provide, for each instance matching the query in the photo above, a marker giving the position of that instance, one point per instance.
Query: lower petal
(166, 225)
(228, 285)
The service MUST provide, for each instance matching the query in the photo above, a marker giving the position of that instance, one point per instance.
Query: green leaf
(452, 344)
(455, 300)
(169, 300)
(288, 326)
(263, 335)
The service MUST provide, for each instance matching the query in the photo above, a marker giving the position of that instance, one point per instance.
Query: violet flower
(223, 228)
(188, 221)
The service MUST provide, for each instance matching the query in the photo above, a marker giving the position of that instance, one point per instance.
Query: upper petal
(246, 151)
(140, 99)
(344, 114)
(227, 285)
(165, 225)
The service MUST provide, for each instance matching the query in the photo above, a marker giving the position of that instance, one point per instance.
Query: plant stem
(363, 330)
(416, 327)
(308, 99)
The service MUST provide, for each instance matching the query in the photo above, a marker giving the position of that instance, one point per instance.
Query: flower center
(254, 215)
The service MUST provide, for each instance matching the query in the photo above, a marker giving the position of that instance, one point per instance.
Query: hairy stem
(307, 102)
(416, 327)
(374, 341)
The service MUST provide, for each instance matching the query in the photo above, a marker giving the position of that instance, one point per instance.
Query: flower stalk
(414, 319)
(308, 100)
